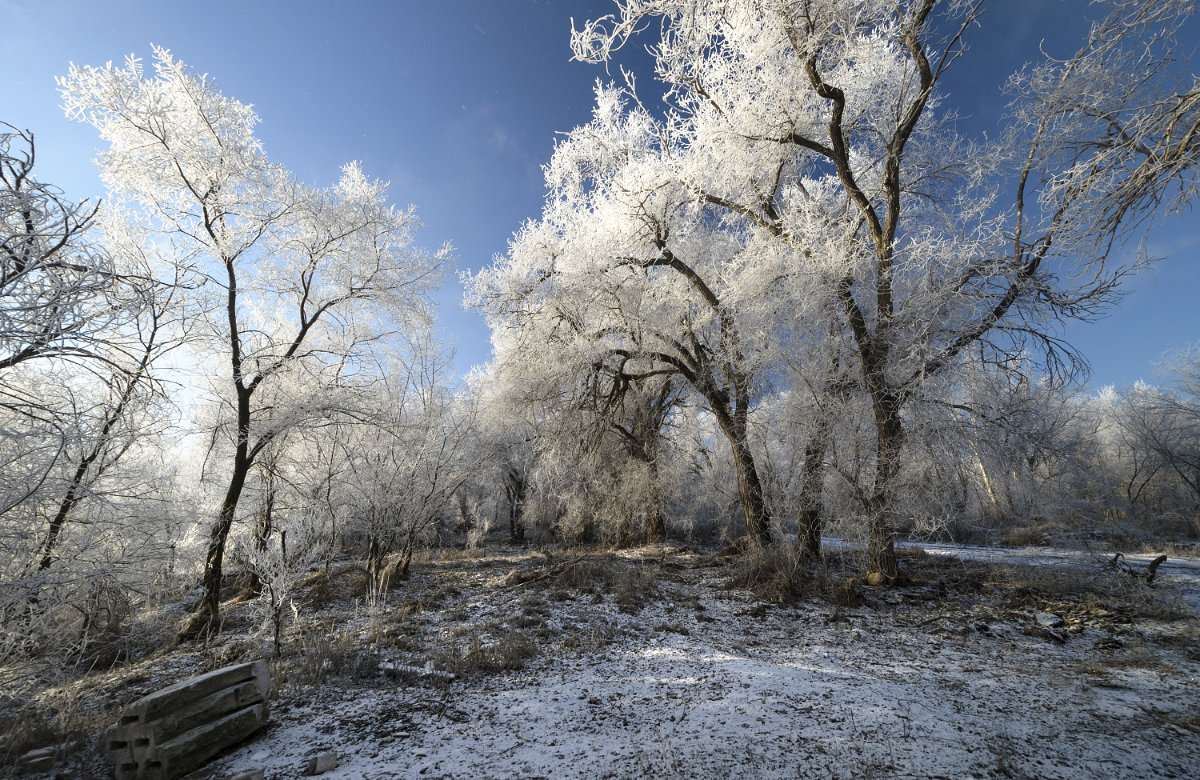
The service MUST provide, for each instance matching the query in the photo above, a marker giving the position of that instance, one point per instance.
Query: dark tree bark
(206, 619)
(810, 512)
(881, 507)
(515, 486)
(656, 521)
(750, 491)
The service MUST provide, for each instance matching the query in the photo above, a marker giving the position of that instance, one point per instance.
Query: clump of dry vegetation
(631, 583)
(779, 574)
(1099, 589)
(28, 728)
(507, 651)
(327, 585)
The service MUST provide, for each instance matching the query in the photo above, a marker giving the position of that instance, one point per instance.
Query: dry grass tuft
(28, 728)
(630, 584)
(778, 574)
(321, 657)
(507, 652)
(325, 586)
(591, 573)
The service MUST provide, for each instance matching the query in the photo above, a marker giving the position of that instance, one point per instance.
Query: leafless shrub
(57, 717)
(77, 623)
(1099, 588)
(589, 573)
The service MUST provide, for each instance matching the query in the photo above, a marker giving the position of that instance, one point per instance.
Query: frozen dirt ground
(659, 669)
(701, 681)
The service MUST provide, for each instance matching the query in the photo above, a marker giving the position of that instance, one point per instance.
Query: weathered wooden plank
(154, 705)
(173, 731)
(137, 741)
(191, 749)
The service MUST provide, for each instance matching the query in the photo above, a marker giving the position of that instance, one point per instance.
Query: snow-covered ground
(672, 674)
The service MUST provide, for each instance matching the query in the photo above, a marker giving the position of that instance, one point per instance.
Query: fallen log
(404, 670)
(1119, 563)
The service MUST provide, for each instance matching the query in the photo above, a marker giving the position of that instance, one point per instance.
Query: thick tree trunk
(810, 525)
(210, 601)
(881, 531)
(656, 524)
(656, 527)
(754, 505)
(207, 617)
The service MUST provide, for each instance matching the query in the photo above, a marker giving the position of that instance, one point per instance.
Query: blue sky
(457, 103)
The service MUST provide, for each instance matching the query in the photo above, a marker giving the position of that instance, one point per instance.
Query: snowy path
(1181, 571)
(1184, 566)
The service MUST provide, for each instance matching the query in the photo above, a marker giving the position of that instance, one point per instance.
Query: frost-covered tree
(578, 448)
(999, 452)
(130, 409)
(814, 131)
(60, 292)
(630, 277)
(296, 279)
(60, 295)
(82, 322)
(597, 457)
(632, 415)
(406, 461)
(1163, 425)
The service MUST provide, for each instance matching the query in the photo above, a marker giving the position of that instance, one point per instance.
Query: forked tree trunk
(377, 552)
(206, 620)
